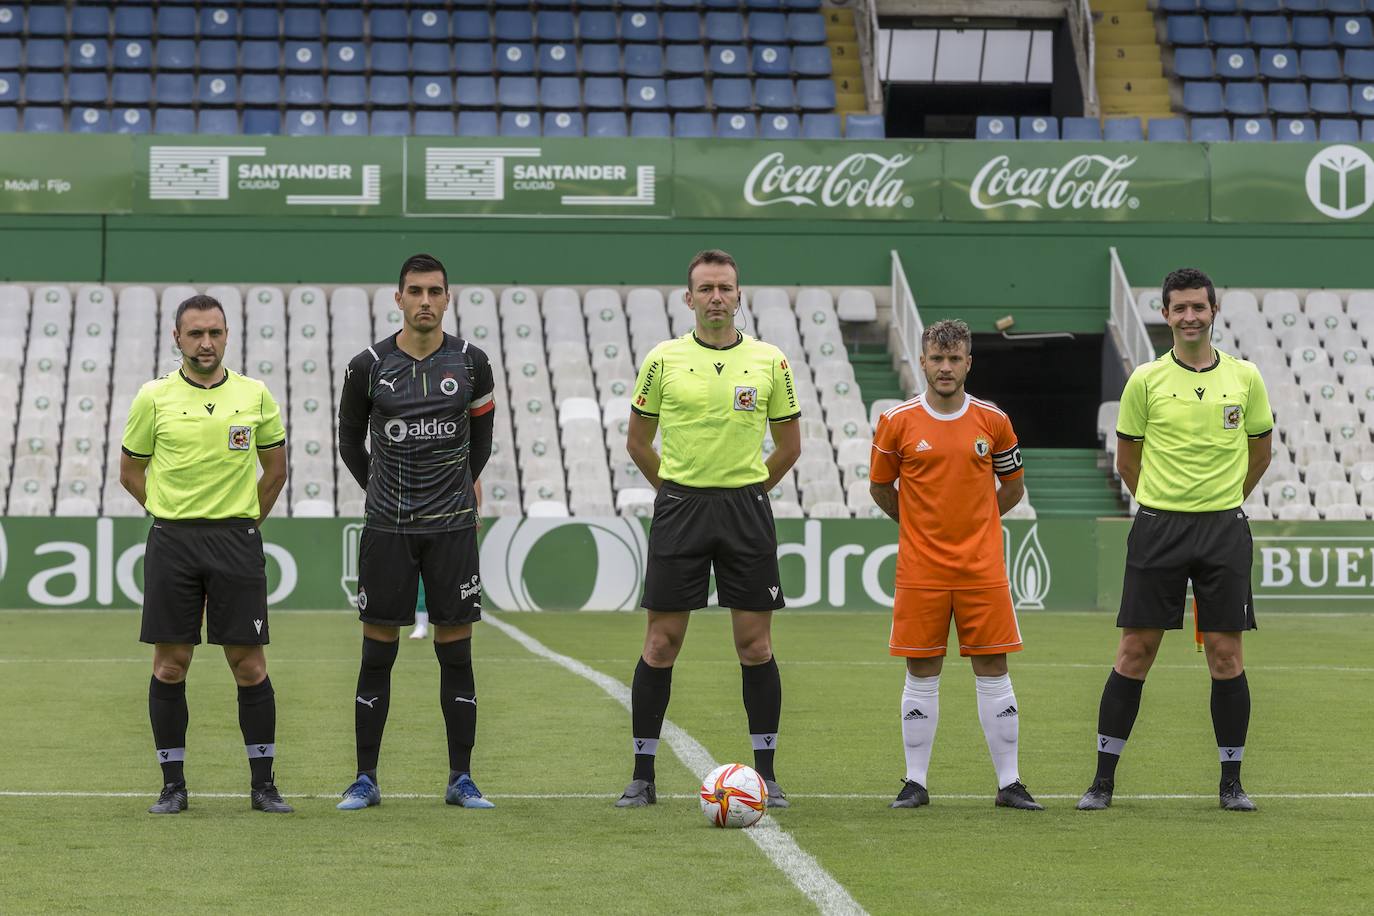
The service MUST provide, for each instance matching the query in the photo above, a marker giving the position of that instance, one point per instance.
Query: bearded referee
(190, 455)
(1194, 438)
(712, 392)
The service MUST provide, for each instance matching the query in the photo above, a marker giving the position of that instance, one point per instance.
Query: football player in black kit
(423, 401)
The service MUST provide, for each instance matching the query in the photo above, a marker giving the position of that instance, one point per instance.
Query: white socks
(1001, 725)
(920, 714)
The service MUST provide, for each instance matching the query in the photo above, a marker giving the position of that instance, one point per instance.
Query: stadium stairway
(1071, 483)
(847, 72)
(1130, 74)
(873, 371)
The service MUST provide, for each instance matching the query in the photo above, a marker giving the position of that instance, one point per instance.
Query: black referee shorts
(209, 567)
(696, 529)
(390, 567)
(1166, 549)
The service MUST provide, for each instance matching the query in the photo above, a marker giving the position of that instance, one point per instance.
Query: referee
(712, 392)
(1194, 437)
(188, 458)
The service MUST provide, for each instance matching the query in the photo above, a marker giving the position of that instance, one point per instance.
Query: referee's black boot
(1233, 797)
(1098, 796)
(267, 797)
(172, 799)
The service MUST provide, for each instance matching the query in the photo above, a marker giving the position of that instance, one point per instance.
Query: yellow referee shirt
(1195, 425)
(712, 406)
(202, 443)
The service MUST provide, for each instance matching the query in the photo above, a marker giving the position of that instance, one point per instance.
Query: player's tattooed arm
(885, 495)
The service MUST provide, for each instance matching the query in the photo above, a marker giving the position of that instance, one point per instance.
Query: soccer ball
(733, 795)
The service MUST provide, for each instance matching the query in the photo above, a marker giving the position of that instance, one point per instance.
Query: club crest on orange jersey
(981, 446)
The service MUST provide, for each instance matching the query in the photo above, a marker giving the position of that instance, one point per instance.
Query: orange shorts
(985, 618)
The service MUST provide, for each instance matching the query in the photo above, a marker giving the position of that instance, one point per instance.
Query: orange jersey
(950, 531)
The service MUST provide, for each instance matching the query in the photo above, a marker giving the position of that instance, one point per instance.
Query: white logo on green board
(616, 549)
(483, 174)
(1086, 182)
(857, 180)
(204, 173)
(1340, 181)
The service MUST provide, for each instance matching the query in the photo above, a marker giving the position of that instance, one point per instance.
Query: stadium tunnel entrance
(1049, 385)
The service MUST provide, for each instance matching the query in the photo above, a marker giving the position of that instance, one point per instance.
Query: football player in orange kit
(948, 449)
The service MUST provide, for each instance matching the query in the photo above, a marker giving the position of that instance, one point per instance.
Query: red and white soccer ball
(733, 795)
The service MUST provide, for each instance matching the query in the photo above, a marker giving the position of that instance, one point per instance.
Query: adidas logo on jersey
(923, 446)
(914, 715)
(1007, 713)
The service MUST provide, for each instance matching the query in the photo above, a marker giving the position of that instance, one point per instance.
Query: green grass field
(553, 752)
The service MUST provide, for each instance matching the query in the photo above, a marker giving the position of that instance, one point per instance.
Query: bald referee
(1194, 436)
(712, 392)
(190, 454)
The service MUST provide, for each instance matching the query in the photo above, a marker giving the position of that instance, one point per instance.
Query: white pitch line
(800, 867)
(606, 796)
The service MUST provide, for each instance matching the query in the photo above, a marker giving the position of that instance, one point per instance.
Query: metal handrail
(1092, 57)
(874, 89)
(1081, 19)
(906, 318)
(1125, 318)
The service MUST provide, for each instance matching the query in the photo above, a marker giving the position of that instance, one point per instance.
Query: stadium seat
(812, 60)
(1202, 98)
(555, 25)
(1193, 63)
(216, 56)
(387, 25)
(433, 124)
(684, 60)
(1244, 99)
(476, 92)
(261, 55)
(563, 124)
(516, 26)
(1081, 129)
(1362, 99)
(596, 26)
(429, 25)
(1359, 65)
(781, 95)
(1330, 98)
(600, 60)
(90, 22)
(767, 28)
(303, 124)
(650, 124)
(92, 120)
(1273, 32)
(736, 126)
(1038, 128)
(1338, 130)
(1295, 130)
(88, 89)
(515, 59)
(223, 122)
(345, 57)
(391, 91)
(779, 127)
(431, 92)
(1210, 130)
(686, 94)
(477, 124)
(693, 125)
(643, 60)
(732, 94)
(603, 93)
(1236, 64)
(1123, 130)
(864, 127)
(308, 57)
(724, 28)
(175, 22)
(174, 89)
(560, 92)
(474, 59)
(384, 124)
(1288, 98)
(1253, 130)
(129, 22)
(259, 24)
(1278, 63)
(771, 61)
(260, 89)
(339, 24)
(994, 128)
(346, 91)
(44, 54)
(1308, 31)
(729, 60)
(1225, 31)
(682, 28)
(133, 54)
(606, 124)
(557, 60)
(806, 28)
(261, 122)
(1353, 32)
(1320, 64)
(519, 124)
(640, 26)
(821, 126)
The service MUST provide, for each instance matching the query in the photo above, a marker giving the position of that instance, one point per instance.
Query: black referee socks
(168, 714)
(1115, 719)
(258, 722)
(649, 693)
(373, 701)
(763, 706)
(458, 700)
(1231, 721)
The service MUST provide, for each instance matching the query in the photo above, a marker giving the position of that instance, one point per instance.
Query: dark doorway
(1050, 386)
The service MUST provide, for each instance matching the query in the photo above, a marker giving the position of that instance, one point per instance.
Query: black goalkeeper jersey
(415, 416)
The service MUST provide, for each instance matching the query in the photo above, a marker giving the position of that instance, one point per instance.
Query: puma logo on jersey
(388, 383)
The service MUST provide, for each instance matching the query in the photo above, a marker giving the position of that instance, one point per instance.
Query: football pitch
(553, 752)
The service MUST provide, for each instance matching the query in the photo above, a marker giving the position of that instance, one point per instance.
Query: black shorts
(212, 568)
(1166, 549)
(696, 529)
(391, 565)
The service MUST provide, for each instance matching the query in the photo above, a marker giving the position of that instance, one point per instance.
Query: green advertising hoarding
(1075, 182)
(50, 174)
(277, 176)
(799, 179)
(539, 176)
(1292, 183)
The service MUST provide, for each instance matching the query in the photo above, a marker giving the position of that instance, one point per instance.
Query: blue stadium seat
(41, 120)
(9, 88)
(48, 21)
(596, 25)
(1366, 131)
(729, 60)
(1288, 98)
(177, 90)
(732, 94)
(555, 25)
(1359, 65)
(1202, 98)
(387, 25)
(263, 25)
(217, 89)
(517, 92)
(864, 127)
(737, 126)
(477, 124)
(765, 5)
(679, 4)
(694, 125)
(1168, 130)
(433, 124)
(1272, 32)
(514, 26)
(604, 92)
(391, 57)
(384, 124)
(1338, 130)
(1123, 130)
(88, 89)
(343, 123)
(802, 6)
(1348, 6)
(1033, 127)
(1185, 30)
(427, 25)
(806, 28)
(724, 28)
(1362, 99)
(1193, 63)
(1353, 32)
(1236, 64)
(302, 91)
(1308, 32)
(816, 95)
(43, 89)
(686, 94)
(391, 91)
(304, 57)
(219, 55)
(563, 124)
(682, 28)
(11, 20)
(431, 58)
(302, 25)
(643, 60)
(261, 55)
(606, 124)
(133, 54)
(557, 60)
(473, 59)
(1081, 129)
(519, 124)
(342, 25)
(769, 60)
(560, 92)
(601, 60)
(178, 54)
(1252, 130)
(645, 95)
(684, 60)
(812, 60)
(471, 25)
(767, 28)
(476, 92)
(515, 59)
(1320, 64)
(779, 127)
(12, 54)
(45, 53)
(92, 120)
(175, 22)
(1227, 31)
(260, 89)
(131, 121)
(90, 22)
(1330, 98)
(1245, 99)
(1177, 6)
(223, 121)
(304, 124)
(640, 26)
(820, 127)
(345, 91)
(1211, 130)
(1295, 130)
(651, 124)
(174, 121)
(1261, 6)
(1278, 63)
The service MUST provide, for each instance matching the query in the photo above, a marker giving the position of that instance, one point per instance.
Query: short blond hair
(947, 335)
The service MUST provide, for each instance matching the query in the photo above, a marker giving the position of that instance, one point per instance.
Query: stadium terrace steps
(873, 371)
(1071, 483)
(842, 39)
(1128, 62)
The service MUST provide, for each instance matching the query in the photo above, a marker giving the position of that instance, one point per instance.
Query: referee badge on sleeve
(746, 398)
(1230, 416)
(239, 437)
